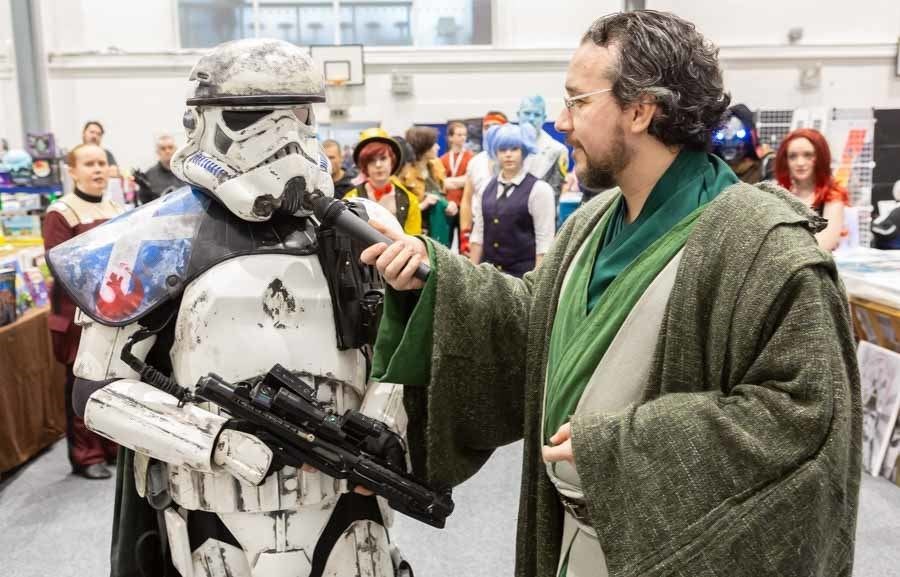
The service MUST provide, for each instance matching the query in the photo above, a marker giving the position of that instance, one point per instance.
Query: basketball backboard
(342, 64)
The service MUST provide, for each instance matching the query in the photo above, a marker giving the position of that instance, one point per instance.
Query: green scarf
(692, 180)
(621, 261)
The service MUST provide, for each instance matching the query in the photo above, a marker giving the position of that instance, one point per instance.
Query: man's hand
(452, 209)
(397, 262)
(562, 446)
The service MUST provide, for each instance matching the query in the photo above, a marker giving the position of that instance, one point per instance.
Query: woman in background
(426, 180)
(378, 158)
(803, 166)
(71, 215)
(515, 221)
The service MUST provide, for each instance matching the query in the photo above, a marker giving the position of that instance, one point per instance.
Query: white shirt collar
(516, 180)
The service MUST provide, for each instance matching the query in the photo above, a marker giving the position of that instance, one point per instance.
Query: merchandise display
(9, 309)
(45, 165)
(24, 265)
(29, 181)
(880, 380)
(17, 164)
(22, 225)
(34, 172)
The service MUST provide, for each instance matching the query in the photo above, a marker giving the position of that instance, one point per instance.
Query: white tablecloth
(871, 274)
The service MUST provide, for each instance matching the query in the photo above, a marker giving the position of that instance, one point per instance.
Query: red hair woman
(378, 158)
(803, 166)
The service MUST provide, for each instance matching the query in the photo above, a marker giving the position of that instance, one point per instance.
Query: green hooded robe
(742, 458)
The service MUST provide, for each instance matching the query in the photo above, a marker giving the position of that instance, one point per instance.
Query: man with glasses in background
(680, 365)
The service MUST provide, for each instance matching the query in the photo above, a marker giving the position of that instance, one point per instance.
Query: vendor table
(872, 279)
(32, 390)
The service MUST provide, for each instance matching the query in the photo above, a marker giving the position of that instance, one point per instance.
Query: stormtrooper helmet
(251, 130)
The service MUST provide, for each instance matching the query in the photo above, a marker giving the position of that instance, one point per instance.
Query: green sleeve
(404, 344)
(438, 223)
(460, 352)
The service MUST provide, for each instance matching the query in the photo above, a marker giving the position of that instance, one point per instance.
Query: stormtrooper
(550, 162)
(231, 276)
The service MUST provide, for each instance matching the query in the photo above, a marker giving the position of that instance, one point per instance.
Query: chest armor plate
(239, 319)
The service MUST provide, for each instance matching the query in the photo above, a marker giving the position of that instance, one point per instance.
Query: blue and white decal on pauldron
(117, 272)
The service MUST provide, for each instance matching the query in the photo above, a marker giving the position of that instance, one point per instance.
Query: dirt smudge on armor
(224, 557)
(368, 545)
(218, 71)
(278, 303)
(188, 326)
(201, 298)
(238, 494)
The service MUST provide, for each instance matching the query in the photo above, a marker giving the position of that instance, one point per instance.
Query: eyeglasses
(570, 101)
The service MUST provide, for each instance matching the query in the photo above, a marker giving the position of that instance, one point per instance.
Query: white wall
(10, 115)
(97, 25)
(139, 92)
(133, 110)
(546, 23)
(766, 22)
(864, 82)
(141, 25)
(853, 42)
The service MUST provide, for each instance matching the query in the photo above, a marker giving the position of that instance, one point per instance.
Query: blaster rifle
(283, 412)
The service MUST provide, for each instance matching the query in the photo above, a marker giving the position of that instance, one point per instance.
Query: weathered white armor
(278, 522)
(244, 306)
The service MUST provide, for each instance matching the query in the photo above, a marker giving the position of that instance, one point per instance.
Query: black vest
(508, 228)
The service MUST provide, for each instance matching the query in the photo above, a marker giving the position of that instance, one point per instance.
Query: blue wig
(488, 136)
(508, 136)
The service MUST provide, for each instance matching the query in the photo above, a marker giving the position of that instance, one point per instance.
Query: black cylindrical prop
(334, 213)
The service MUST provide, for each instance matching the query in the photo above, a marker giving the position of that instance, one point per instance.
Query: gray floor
(52, 523)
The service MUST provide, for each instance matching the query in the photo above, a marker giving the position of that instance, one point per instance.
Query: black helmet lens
(240, 119)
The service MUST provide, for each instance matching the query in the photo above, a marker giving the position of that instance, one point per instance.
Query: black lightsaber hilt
(334, 213)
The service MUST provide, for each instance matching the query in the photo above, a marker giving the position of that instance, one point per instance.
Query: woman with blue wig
(515, 221)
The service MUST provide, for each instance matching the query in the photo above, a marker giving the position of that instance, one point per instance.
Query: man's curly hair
(664, 57)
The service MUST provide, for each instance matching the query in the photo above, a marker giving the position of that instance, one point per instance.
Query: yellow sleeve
(437, 171)
(409, 179)
(414, 218)
(351, 193)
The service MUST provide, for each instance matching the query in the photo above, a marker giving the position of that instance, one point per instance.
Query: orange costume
(455, 164)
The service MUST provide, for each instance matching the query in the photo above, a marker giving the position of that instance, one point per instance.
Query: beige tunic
(618, 381)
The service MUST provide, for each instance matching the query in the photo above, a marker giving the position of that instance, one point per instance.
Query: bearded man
(680, 364)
